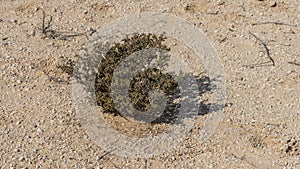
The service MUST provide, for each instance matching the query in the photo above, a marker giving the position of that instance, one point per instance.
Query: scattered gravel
(260, 128)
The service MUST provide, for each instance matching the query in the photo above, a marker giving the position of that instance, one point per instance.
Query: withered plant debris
(141, 84)
(50, 33)
(265, 46)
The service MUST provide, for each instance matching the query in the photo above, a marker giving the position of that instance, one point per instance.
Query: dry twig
(265, 46)
(145, 163)
(53, 34)
(272, 22)
(105, 154)
(294, 63)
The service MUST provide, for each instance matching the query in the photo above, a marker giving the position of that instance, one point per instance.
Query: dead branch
(145, 163)
(43, 23)
(272, 22)
(265, 46)
(53, 34)
(264, 64)
(46, 29)
(294, 63)
(223, 40)
(105, 154)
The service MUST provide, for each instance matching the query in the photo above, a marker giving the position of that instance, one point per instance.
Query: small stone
(21, 159)
(34, 125)
(32, 33)
(188, 7)
(273, 4)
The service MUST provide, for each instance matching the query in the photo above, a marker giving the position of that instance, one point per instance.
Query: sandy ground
(261, 124)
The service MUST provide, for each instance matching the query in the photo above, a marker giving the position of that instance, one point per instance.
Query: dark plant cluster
(143, 83)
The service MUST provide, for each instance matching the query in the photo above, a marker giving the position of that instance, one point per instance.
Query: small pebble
(34, 125)
(188, 7)
(21, 159)
(32, 33)
(273, 4)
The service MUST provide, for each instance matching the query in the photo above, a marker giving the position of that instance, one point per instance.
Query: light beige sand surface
(261, 124)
